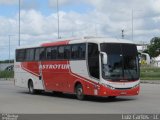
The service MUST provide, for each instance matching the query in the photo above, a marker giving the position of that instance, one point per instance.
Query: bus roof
(80, 40)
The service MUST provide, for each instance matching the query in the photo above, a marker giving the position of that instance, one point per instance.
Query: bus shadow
(87, 98)
(106, 99)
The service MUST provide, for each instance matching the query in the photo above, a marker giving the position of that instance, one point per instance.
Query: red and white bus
(87, 66)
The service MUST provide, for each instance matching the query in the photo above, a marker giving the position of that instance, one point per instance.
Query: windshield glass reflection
(122, 62)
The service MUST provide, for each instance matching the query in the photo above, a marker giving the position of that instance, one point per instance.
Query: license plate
(123, 93)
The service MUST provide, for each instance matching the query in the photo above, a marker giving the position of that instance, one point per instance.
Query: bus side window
(42, 53)
(54, 53)
(67, 52)
(82, 51)
(93, 60)
(48, 53)
(36, 54)
(78, 52)
(61, 52)
(29, 55)
(74, 53)
(20, 55)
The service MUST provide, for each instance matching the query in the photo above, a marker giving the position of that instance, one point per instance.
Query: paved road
(17, 100)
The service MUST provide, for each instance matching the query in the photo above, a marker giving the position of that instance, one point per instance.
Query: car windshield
(122, 63)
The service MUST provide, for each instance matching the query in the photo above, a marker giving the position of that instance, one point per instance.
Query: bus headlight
(136, 85)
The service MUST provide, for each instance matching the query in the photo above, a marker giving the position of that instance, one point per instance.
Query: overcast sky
(77, 18)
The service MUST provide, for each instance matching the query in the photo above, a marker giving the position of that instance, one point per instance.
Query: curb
(150, 81)
(6, 79)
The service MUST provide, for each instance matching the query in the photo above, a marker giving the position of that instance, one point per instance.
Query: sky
(77, 18)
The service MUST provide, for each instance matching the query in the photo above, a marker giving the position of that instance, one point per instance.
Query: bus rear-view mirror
(104, 58)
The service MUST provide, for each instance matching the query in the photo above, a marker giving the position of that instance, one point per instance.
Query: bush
(150, 73)
(6, 74)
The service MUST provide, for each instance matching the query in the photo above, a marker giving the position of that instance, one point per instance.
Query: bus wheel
(79, 92)
(31, 87)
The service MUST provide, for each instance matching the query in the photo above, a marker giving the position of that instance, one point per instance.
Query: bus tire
(31, 87)
(79, 92)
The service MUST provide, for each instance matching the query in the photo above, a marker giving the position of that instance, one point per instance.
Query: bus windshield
(122, 63)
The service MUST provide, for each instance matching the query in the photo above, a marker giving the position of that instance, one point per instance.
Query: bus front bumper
(104, 91)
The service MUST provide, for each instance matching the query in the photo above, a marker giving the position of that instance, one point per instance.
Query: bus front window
(114, 67)
(122, 62)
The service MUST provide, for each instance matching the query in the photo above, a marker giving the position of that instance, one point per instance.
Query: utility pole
(19, 42)
(132, 25)
(122, 33)
(9, 47)
(58, 19)
(95, 29)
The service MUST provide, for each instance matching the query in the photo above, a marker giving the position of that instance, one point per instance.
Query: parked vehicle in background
(157, 61)
(145, 58)
(10, 68)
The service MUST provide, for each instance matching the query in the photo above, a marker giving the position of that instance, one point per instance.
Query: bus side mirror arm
(104, 58)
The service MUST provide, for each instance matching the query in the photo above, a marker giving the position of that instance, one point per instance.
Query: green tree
(154, 47)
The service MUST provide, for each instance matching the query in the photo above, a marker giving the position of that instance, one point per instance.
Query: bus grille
(123, 88)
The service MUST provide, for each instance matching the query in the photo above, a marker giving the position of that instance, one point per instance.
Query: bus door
(93, 66)
(39, 56)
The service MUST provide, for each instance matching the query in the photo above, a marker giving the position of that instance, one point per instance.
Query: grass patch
(6, 74)
(149, 78)
(150, 73)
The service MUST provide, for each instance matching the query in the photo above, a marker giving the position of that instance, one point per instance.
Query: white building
(157, 61)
